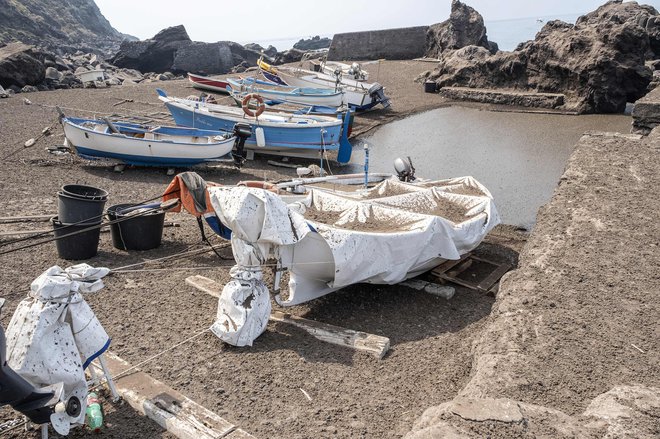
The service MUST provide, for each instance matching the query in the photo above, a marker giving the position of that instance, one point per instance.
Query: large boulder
(314, 43)
(465, 27)
(21, 65)
(270, 52)
(153, 55)
(288, 56)
(598, 63)
(57, 25)
(172, 50)
(204, 58)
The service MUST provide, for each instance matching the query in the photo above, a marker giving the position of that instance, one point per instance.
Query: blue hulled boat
(276, 133)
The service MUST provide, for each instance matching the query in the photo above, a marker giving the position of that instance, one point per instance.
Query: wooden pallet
(451, 270)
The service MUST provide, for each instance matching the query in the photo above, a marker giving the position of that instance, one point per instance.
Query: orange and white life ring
(260, 105)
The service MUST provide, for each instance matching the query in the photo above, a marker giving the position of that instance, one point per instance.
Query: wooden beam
(170, 409)
(13, 219)
(358, 340)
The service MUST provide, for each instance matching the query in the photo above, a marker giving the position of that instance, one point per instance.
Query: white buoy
(261, 138)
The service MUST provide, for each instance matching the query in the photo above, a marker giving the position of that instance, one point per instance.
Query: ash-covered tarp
(54, 334)
(385, 235)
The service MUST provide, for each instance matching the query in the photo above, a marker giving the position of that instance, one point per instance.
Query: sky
(273, 20)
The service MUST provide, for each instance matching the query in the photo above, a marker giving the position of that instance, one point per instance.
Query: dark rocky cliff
(57, 24)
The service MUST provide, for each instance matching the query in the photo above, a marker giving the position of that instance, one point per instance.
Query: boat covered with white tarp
(330, 239)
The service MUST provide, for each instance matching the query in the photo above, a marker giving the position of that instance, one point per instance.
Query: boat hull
(281, 138)
(210, 84)
(168, 151)
(355, 97)
(295, 95)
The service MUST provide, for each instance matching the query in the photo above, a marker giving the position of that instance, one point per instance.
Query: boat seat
(101, 128)
(149, 136)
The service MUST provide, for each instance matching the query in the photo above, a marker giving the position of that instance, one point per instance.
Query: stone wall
(402, 43)
(646, 114)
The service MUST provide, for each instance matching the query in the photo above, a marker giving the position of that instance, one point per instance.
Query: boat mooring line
(82, 222)
(153, 357)
(186, 252)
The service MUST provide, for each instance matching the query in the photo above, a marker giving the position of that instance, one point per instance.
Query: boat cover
(332, 239)
(54, 335)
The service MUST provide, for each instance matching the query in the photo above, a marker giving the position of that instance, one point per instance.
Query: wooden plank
(447, 265)
(456, 280)
(362, 341)
(205, 285)
(173, 411)
(493, 277)
(358, 340)
(14, 219)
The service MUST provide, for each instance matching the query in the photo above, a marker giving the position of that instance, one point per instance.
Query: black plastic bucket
(78, 246)
(79, 210)
(143, 232)
(82, 191)
(430, 87)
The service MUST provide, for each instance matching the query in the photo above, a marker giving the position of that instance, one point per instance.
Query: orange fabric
(177, 189)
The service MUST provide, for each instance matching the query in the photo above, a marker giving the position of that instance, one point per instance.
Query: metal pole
(366, 165)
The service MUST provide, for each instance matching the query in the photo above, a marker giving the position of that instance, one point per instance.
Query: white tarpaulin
(53, 334)
(389, 233)
(332, 239)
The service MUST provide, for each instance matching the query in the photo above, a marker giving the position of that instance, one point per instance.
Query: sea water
(519, 157)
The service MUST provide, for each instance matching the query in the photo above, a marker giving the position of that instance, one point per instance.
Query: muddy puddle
(519, 157)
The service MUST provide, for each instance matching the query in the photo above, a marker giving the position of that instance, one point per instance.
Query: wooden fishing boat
(358, 95)
(208, 83)
(352, 71)
(272, 132)
(142, 145)
(284, 94)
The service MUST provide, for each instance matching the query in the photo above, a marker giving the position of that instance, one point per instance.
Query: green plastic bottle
(94, 413)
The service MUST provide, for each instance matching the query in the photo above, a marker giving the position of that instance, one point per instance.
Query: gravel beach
(145, 312)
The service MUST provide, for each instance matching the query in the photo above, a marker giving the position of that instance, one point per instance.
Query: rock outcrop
(153, 55)
(561, 354)
(21, 65)
(172, 50)
(314, 43)
(598, 63)
(465, 27)
(57, 25)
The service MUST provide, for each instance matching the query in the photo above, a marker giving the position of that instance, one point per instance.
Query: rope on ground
(153, 357)
(43, 133)
(186, 252)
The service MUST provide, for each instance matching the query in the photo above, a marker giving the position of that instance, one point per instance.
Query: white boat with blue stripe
(284, 94)
(142, 145)
(278, 133)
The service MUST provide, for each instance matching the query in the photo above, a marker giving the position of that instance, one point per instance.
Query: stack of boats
(286, 111)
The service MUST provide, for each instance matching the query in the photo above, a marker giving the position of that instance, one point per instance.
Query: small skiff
(208, 83)
(358, 95)
(276, 133)
(142, 145)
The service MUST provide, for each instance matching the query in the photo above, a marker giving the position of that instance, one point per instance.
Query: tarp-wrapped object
(53, 334)
(261, 224)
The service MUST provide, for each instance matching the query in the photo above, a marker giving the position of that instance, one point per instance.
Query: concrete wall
(403, 43)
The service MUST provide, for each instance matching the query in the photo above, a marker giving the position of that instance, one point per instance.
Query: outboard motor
(242, 131)
(356, 72)
(404, 169)
(377, 93)
(37, 404)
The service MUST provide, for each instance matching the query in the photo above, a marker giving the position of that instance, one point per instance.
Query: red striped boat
(207, 83)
